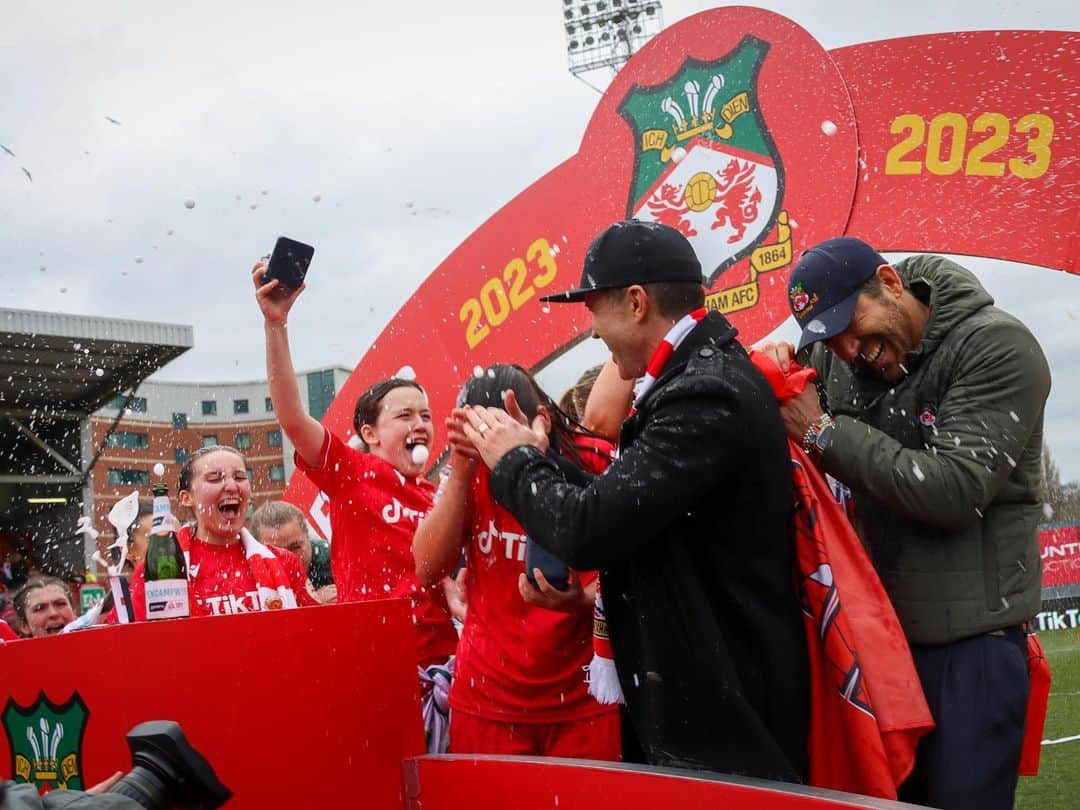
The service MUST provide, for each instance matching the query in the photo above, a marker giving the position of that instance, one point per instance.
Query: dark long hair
(22, 596)
(487, 389)
(367, 406)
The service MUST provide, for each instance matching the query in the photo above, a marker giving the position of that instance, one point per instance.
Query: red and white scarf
(663, 353)
(601, 675)
(271, 579)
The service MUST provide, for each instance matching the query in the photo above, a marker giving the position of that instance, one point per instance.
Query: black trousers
(977, 690)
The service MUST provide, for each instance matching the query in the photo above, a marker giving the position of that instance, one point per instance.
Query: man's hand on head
(495, 432)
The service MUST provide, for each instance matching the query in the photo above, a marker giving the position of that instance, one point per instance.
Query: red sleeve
(297, 578)
(340, 467)
(6, 633)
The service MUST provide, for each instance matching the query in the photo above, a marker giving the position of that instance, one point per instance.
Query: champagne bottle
(166, 568)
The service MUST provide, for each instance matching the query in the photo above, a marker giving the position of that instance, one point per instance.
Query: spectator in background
(278, 523)
(43, 606)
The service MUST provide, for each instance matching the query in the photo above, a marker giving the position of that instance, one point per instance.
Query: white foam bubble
(828, 127)
(420, 454)
(159, 469)
(189, 204)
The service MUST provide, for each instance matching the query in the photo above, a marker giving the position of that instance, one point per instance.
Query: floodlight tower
(605, 33)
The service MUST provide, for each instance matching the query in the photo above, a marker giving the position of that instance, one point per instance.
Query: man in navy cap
(691, 525)
(933, 415)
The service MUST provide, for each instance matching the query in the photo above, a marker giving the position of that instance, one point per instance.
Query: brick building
(165, 421)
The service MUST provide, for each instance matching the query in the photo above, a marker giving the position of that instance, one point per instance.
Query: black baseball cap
(824, 286)
(634, 252)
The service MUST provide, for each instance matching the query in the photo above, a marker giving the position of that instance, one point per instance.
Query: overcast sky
(412, 122)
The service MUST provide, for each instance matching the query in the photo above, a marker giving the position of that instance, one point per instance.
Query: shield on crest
(705, 162)
(46, 742)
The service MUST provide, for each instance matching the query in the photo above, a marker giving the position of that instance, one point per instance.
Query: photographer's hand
(103, 787)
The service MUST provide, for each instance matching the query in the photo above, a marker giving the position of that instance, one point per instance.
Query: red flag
(867, 709)
(1039, 668)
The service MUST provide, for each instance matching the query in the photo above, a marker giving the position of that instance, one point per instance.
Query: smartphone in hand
(289, 262)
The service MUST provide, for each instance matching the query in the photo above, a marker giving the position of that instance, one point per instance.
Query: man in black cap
(933, 417)
(691, 525)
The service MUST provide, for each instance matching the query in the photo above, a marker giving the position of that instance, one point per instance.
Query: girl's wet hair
(487, 389)
(187, 471)
(367, 406)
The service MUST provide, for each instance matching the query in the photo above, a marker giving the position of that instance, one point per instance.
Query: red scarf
(867, 710)
(271, 579)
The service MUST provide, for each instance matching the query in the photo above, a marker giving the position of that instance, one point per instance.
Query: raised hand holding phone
(289, 262)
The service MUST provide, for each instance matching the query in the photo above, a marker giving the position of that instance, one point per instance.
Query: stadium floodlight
(603, 34)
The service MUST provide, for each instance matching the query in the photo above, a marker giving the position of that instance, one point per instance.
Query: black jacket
(691, 531)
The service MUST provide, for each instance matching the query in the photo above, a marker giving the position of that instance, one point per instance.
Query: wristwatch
(819, 435)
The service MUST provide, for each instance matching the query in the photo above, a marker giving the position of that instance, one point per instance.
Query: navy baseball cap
(634, 252)
(824, 286)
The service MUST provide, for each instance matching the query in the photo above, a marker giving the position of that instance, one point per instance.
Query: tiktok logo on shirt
(394, 512)
(512, 543)
(231, 603)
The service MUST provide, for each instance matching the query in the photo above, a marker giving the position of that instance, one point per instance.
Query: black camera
(167, 772)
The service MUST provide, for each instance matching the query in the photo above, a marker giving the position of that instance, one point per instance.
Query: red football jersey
(516, 662)
(219, 579)
(374, 510)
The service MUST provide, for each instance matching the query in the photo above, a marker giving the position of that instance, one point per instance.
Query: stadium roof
(77, 363)
(55, 370)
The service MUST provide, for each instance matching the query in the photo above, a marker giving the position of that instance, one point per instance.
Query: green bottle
(166, 567)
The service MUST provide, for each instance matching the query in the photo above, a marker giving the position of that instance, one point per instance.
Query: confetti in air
(828, 127)
(112, 120)
(159, 469)
(7, 150)
(420, 454)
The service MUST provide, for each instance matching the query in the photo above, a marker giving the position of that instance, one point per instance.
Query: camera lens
(146, 783)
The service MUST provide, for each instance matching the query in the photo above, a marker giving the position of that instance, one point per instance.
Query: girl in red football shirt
(377, 493)
(222, 576)
(518, 683)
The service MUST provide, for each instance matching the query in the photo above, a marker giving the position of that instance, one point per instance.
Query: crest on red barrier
(46, 742)
(705, 162)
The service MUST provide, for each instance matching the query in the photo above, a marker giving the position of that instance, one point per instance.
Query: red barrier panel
(1060, 548)
(533, 783)
(292, 708)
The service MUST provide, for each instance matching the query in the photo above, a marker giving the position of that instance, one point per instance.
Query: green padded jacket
(946, 464)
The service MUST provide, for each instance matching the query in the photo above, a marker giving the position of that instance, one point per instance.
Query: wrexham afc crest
(46, 742)
(705, 162)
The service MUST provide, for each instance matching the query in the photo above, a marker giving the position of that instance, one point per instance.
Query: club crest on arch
(46, 742)
(706, 165)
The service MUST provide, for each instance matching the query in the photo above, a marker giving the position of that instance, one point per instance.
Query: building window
(136, 405)
(277, 473)
(251, 476)
(209, 407)
(130, 441)
(320, 386)
(129, 478)
(179, 421)
(243, 441)
(273, 438)
(179, 455)
(269, 405)
(239, 406)
(209, 441)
